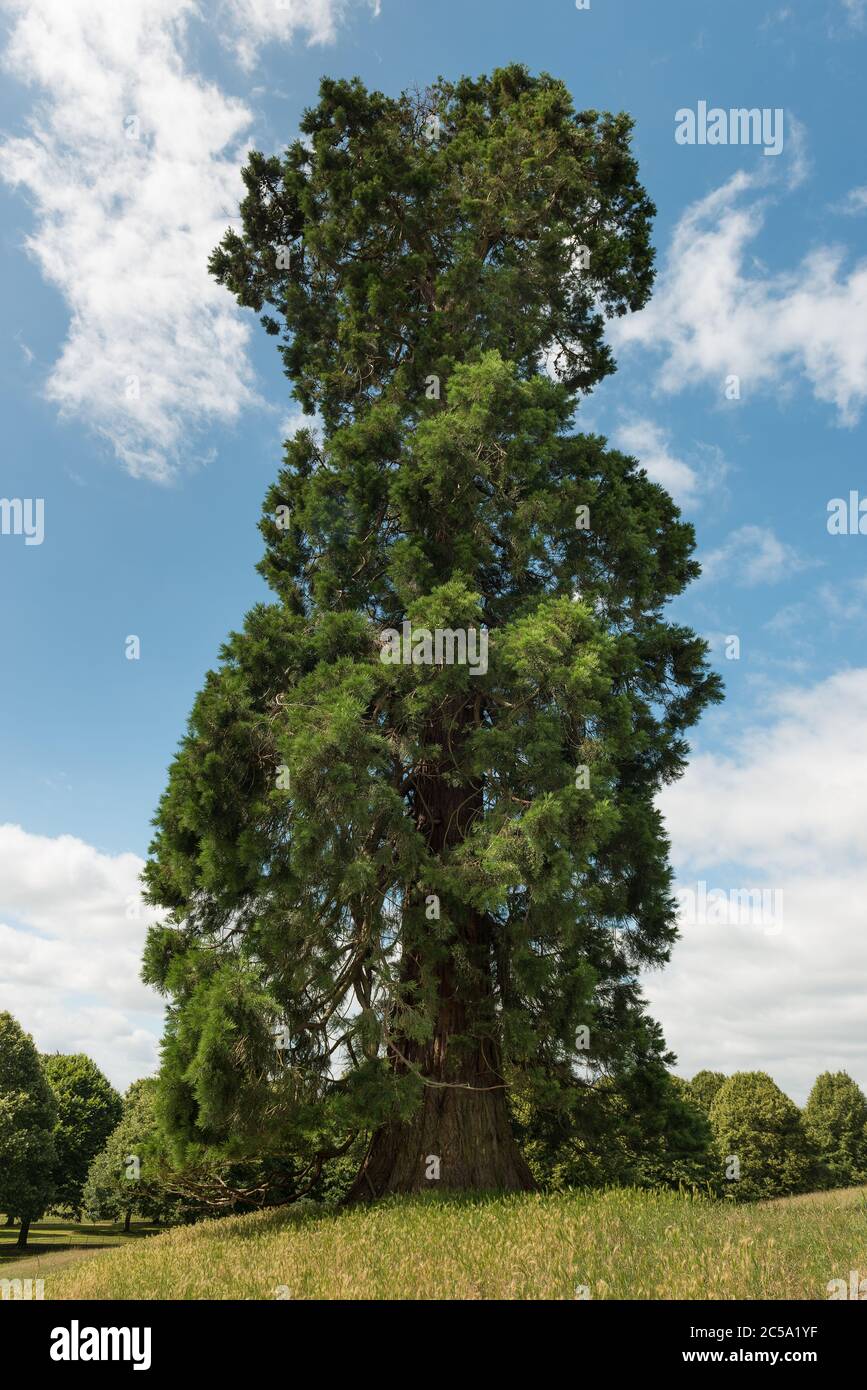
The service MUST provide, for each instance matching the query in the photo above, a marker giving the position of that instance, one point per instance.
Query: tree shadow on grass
(48, 1237)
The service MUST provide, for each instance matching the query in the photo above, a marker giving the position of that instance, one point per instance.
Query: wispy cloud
(131, 163)
(855, 201)
(856, 11)
(651, 445)
(752, 555)
(716, 315)
(250, 24)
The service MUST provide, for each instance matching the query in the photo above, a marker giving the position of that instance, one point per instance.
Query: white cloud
(752, 555)
(846, 601)
(253, 23)
(72, 928)
(123, 227)
(784, 809)
(715, 314)
(651, 445)
(156, 350)
(855, 201)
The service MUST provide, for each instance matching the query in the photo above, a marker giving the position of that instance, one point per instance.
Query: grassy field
(56, 1244)
(617, 1244)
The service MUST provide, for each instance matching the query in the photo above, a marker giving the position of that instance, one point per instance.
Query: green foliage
(127, 1176)
(88, 1108)
(753, 1121)
(28, 1113)
(410, 256)
(322, 799)
(703, 1088)
(633, 1129)
(835, 1118)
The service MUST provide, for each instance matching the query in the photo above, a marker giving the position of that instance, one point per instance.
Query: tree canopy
(88, 1108)
(835, 1118)
(760, 1136)
(28, 1113)
(703, 1088)
(126, 1176)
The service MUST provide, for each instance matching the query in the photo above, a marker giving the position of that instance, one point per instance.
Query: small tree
(704, 1088)
(835, 1118)
(760, 1137)
(88, 1108)
(28, 1113)
(124, 1176)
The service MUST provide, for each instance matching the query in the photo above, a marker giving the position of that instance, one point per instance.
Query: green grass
(54, 1244)
(619, 1244)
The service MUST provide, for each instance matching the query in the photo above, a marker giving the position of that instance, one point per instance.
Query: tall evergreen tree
(395, 886)
(28, 1112)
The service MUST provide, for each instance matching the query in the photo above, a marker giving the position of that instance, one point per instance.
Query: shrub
(637, 1131)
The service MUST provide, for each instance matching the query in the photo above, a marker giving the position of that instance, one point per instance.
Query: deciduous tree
(760, 1137)
(88, 1108)
(28, 1113)
(703, 1088)
(835, 1118)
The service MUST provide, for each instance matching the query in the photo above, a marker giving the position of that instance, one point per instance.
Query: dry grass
(619, 1244)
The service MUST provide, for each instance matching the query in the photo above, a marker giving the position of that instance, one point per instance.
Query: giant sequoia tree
(399, 888)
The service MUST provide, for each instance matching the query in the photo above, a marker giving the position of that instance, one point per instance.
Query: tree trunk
(10, 1220)
(460, 1141)
(21, 1243)
(127, 1220)
(461, 1138)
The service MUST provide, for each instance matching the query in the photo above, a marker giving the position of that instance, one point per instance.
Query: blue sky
(151, 503)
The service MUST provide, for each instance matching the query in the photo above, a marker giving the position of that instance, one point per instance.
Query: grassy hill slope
(619, 1244)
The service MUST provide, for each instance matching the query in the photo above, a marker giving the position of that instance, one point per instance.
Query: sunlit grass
(618, 1244)
(52, 1235)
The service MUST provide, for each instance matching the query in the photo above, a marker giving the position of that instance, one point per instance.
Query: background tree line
(738, 1137)
(70, 1144)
